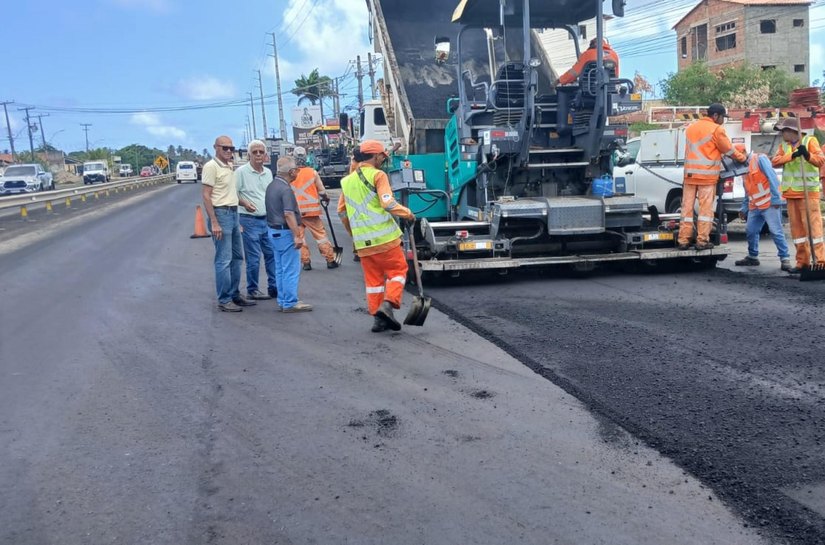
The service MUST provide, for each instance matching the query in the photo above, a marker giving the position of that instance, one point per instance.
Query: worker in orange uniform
(310, 193)
(368, 210)
(589, 56)
(800, 157)
(705, 143)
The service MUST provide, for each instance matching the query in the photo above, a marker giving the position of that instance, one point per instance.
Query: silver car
(25, 179)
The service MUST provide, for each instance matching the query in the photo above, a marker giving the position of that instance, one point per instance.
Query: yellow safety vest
(371, 225)
(791, 178)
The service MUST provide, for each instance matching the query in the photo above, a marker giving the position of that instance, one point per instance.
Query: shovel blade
(418, 311)
(815, 272)
(338, 254)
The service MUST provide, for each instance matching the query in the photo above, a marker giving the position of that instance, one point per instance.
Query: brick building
(773, 34)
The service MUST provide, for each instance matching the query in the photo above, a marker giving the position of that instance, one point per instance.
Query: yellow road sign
(161, 162)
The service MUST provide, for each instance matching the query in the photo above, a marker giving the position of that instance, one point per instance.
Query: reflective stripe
(765, 200)
(375, 234)
(393, 205)
(791, 178)
(362, 209)
(688, 219)
(697, 171)
(375, 289)
(818, 240)
(322, 241)
(371, 224)
(705, 218)
(400, 279)
(802, 240)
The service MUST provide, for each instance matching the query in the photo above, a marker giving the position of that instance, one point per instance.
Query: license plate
(658, 236)
(471, 246)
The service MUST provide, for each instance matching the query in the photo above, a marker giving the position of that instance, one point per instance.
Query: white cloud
(156, 6)
(155, 126)
(204, 88)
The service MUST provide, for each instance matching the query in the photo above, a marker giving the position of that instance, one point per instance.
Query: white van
(186, 171)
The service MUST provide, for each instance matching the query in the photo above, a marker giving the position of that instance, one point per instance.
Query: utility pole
(42, 134)
(8, 127)
(336, 102)
(281, 121)
(254, 126)
(372, 75)
(29, 126)
(263, 109)
(360, 76)
(86, 129)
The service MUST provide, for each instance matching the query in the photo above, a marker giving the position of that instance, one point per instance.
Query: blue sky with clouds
(131, 54)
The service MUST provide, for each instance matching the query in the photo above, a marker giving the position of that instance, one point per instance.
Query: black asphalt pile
(722, 373)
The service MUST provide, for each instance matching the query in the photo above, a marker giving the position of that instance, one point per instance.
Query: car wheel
(674, 204)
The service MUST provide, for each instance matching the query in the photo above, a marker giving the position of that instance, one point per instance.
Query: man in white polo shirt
(252, 180)
(220, 199)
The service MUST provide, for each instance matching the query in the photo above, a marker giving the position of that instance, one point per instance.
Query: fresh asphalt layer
(132, 411)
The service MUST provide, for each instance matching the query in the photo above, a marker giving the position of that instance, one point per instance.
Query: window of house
(725, 27)
(798, 23)
(583, 32)
(769, 67)
(799, 68)
(723, 43)
(684, 46)
(767, 26)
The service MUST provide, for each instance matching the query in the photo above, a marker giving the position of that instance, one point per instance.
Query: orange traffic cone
(200, 225)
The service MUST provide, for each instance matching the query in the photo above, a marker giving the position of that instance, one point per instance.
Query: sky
(161, 72)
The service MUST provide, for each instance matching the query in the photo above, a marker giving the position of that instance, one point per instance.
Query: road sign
(161, 162)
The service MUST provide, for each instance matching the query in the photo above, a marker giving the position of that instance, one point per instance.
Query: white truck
(96, 172)
(653, 167)
(26, 178)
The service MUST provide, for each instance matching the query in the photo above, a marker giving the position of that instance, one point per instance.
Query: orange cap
(371, 147)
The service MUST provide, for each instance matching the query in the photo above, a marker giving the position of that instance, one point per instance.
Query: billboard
(306, 117)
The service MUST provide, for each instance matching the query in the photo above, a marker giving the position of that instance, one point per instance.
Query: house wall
(785, 49)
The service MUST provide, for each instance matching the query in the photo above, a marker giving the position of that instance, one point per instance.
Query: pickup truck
(26, 178)
(652, 167)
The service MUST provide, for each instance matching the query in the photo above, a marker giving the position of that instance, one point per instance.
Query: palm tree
(312, 87)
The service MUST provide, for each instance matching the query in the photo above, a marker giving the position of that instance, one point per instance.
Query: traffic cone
(200, 225)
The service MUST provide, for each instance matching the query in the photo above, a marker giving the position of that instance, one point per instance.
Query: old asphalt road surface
(132, 412)
(719, 371)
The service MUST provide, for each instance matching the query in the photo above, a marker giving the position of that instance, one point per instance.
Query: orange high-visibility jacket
(757, 185)
(705, 144)
(589, 55)
(306, 192)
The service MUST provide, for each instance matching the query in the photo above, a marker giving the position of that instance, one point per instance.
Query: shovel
(816, 271)
(420, 305)
(337, 250)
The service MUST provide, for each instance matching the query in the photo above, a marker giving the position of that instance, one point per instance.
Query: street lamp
(51, 138)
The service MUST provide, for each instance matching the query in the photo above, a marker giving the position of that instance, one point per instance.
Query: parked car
(95, 172)
(125, 170)
(186, 171)
(145, 172)
(25, 179)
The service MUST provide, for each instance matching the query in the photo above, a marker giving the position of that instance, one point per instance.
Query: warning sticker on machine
(650, 237)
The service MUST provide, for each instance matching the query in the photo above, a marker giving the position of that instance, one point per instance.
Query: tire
(674, 204)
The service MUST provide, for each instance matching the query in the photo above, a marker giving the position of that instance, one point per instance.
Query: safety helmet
(791, 123)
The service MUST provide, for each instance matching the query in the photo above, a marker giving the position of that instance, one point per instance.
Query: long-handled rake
(817, 270)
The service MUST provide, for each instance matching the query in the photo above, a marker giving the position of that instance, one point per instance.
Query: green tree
(739, 86)
(312, 87)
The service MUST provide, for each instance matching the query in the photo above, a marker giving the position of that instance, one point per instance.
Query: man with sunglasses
(220, 199)
(252, 179)
(283, 216)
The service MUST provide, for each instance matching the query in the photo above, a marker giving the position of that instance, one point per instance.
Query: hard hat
(791, 123)
(299, 152)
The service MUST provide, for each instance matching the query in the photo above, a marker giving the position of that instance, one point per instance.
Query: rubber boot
(378, 325)
(386, 314)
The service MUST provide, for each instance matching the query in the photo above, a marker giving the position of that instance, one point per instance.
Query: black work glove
(324, 199)
(803, 151)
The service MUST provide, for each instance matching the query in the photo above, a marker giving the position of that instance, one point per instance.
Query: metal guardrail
(24, 200)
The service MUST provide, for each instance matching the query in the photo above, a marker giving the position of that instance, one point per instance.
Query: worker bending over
(589, 56)
(367, 209)
(705, 143)
(800, 157)
(761, 205)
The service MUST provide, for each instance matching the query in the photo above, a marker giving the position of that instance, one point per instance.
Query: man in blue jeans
(252, 180)
(761, 205)
(284, 220)
(220, 199)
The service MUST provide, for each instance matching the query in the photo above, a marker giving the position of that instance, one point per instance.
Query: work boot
(704, 246)
(683, 247)
(229, 307)
(747, 262)
(332, 265)
(378, 325)
(356, 258)
(785, 265)
(307, 266)
(258, 296)
(273, 292)
(386, 314)
(794, 270)
(241, 301)
(300, 306)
